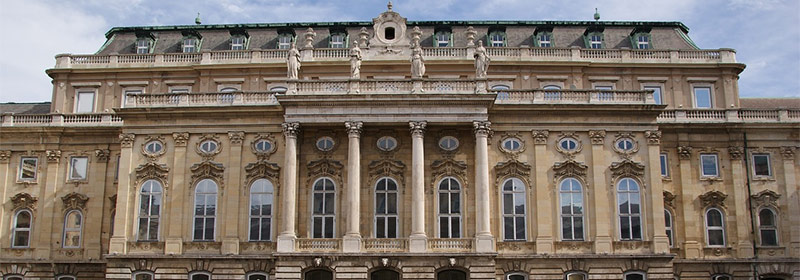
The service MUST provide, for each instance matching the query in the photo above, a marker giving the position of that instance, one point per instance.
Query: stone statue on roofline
(293, 62)
(355, 61)
(481, 61)
(417, 62)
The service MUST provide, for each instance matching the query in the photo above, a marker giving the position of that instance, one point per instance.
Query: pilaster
(94, 214)
(124, 212)
(792, 199)
(176, 196)
(692, 246)
(544, 213)
(656, 190)
(46, 211)
(352, 237)
(5, 181)
(418, 241)
(288, 235)
(233, 194)
(484, 241)
(744, 247)
(604, 208)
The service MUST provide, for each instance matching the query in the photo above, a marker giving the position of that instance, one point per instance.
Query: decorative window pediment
(627, 168)
(75, 200)
(387, 168)
(262, 169)
(23, 200)
(669, 199)
(325, 167)
(713, 198)
(569, 168)
(207, 170)
(766, 198)
(448, 167)
(152, 170)
(512, 168)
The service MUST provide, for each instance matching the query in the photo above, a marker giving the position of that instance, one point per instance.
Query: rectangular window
(595, 42)
(604, 94)
(443, 39)
(128, 92)
(544, 40)
(708, 165)
(189, 45)
(77, 168)
(497, 39)
(337, 41)
(702, 97)
(143, 46)
(85, 103)
(237, 43)
(656, 93)
(27, 168)
(761, 166)
(643, 42)
(664, 165)
(284, 42)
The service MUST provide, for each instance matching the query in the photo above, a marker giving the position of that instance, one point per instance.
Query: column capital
(353, 128)
(540, 136)
(4, 156)
(53, 155)
(417, 128)
(291, 129)
(126, 139)
(736, 152)
(685, 152)
(653, 137)
(181, 138)
(597, 136)
(236, 137)
(482, 128)
(787, 152)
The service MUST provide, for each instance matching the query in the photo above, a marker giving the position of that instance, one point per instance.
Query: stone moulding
(152, 170)
(448, 167)
(74, 200)
(263, 169)
(627, 168)
(325, 167)
(569, 168)
(512, 168)
(207, 170)
(713, 198)
(766, 198)
(387, 168)
(669, 199)
(23, 200)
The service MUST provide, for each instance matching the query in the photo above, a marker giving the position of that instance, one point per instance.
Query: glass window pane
(328, 227)
(664, 165)
(761, 165)
(392, 205)
(766, 218)
(455, 202)
(380, 227)
(520, 227)
(769, 237)
(519, 204)
(636, 227)
(625, 227)
(508, 228)
(566, 228)
(21, 238)
(702, 97)
(317, 227)
(85, 102)
(715, 237)
(78, 170)
(444, 203)
(254, 228)
(507, 207)
(391, 232)
(318, 203)
(456, 221)
(578, 223)
(444, 226)
(329, 203)
(380, 203)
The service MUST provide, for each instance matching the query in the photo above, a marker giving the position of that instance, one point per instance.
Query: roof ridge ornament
(389, 6)
(197, 19)
(596, 15)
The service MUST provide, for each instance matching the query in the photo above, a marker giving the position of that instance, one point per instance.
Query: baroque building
(398, 149)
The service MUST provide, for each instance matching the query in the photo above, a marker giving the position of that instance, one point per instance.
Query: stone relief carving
(626, 153)
(152, 170)
(381, 25)
(207, 170)
(263, 154)
(512, 168)
(387, 167)
(325, 167)
(669, 199)
(482, 128)
(146, 246)
(153, 156)
(713, 198)
(540, 136)
(653, 137)
(353, 128)
(23, 200)
(102, 155)
(787, 152)
(627, 168)
(417, 128)
(569, 168)
(113, 200)
(74, 200)
(263, 169)
(5, 156)
(53, 155)
(236, 137)
(685, 152)
(355, 61)
(448, 167)
(180, 138)
(569, 154)
(126, 139)
(598, 136)
(208, 155)
(291, 129)
(481, 61)
(766, 198)
(511, 154)
(736, 152)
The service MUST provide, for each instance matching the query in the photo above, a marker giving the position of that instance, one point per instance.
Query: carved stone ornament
(448, 167)
(787, 152)
(417, 128)
(653, 137)
(512, 168)
(207, 170)
(713, 198)
(23, 200)
(5, 156)
(627, 168)
(511, 154)
(353, 128)
(569, 153)
(102, 155)
(470, 32)
(53, 155)
(75, 200)
(569, 168)
(325, 167)
(180, 138)
(736, 152)
(482, 129)
(291, 129)
(126, 140)
(622, 136)
(540, 136)
(309, 35)
(387, 168)
(208, 155)
(598, 136)
(151, 170)
(263, 154)
(263, 169)
(685, 152)
(236, 137)
(153, 156)
(766, 198)
(389, 19)
(669, 199)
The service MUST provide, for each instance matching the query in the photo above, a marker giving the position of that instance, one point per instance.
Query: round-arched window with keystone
(448, 143)
(512, 144)
(154, 147)
(387, 143)
(625, 144)
(263, 146)
(209, 146)
(325, 144)
(568, 144)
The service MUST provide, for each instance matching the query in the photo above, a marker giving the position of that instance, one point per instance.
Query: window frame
(571, 215)
(66, 230)
(147, 49)
(670, 230)
(200, 273)
(512, 141)
(205, 216)
(148, 273)
(323, 216)
(13, 277)
(514, 216)
(83, 92)
(721, 277)
(268, 194)
(636, 42)
(152, 195)
(721, 228)
(455, 146)
(437, 42)
(716, 166)
(774, 227)
(663, 159)
(491, 42)
(581, 273)
(194, 47)
(590, 43)
(251, 274)
(387, 215)
(507, 276)
(538, 39)
(658, 92)
(695, 102)
(281, 45)
(16, 229)
(238, 46)
(21, 170)
(640, 273)
(66, 277)
(769, 165)
(130, 91)
(386, 139)
(344, 43)
(450, 215)
(72, 166)
(630, 215)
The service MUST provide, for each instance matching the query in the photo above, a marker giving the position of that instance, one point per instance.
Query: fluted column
(352, 238)
(418, 239)
(484, 241)
(288, 234)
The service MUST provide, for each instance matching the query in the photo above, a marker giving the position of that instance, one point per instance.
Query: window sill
(711, 178)
(666, 179)
(764, 178)
(27, 182)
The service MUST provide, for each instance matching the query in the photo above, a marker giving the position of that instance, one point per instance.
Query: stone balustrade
(385, 245)
(542, 96)
(319, 244)
(729, 116)
(105, 119)
(498, 55)
(451, 244)
(200, 99)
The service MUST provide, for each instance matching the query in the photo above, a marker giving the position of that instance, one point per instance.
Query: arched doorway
(384, 274)
(451, 274)
(319, 274)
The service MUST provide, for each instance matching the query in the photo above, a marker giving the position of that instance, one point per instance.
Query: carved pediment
(766, 198)
(713, 198)
(325, 167)
(569, 168)
(387, 168)
(627, 168)
(75, 200)
(23, 200)
(206, 170)
(669, 199)
(152, 170)
(512, 168)
(448, 167)
(262, 169)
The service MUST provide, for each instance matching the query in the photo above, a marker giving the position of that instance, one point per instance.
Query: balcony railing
(9, 120)
(385, 244)
(547, 96)
(451, 244)
(319, 244)
(729, 116)
(505, 54)
(200, 99)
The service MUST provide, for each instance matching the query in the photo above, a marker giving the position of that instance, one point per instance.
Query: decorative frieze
(180, 138)
(263, 169)
(766, 198)
(540, 136)
(152, 170)
(417, 128)
(736, 152)
(713, 198)
(598, 136)
(126, 140)
(236, 137)
(53, 155)
(653, 137)
(207, 170)
(569, 168)
(23, 200)
(685, 152)
(291, 129)
(102, 155)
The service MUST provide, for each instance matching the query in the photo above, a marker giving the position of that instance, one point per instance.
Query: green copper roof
(673, 24)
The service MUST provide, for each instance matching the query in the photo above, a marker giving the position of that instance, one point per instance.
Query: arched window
(516, 276)
(571, 201)
(715, 227)
(143, 275)
(552, 92)
(514, 209)
(630, 212)
(384, 274)
(149, 210)
(205, 210)
(257, 276)
(635, 275)
(199, 276)
(23, 221)
(66, 277)
(575, 275)
(73, 223)
(449, 208)
(323, 215)
(318, 274)
(502, 94)
(386, 208)
(721, 277)
(12, 277)
(768, 227)
(668, 227)
(261, 194)
(451, 274)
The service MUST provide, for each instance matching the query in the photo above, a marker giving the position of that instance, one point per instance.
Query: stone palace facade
(395, 149)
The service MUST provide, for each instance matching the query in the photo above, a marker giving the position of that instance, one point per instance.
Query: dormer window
(545, 40)
(442, 37)
(640, 38)
(338, 41)
(643, 42)
(596, 41)
(593, 37)
(143, 46)
(237, 43)
(497, 39)
(189, 45)
(285, 41)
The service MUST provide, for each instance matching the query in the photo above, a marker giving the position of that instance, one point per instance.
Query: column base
(544, 245)
(118, 246)
(418, 244)
(230, 246)
(484, 244)
(286, 243)
(351, 244)
(660, 245)
(603, 245)
(692, 249)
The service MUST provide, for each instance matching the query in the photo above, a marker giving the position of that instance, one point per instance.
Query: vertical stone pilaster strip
(418, 239)
(286, 240)
(233, 192)
(125, 211)
(740, 205)
(603, 192)
(793, 199)
(656, 191)
(544, 212)
(6, 173)
(175, 196)
(692, 245)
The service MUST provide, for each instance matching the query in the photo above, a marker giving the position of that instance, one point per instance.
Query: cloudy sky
(765, 33)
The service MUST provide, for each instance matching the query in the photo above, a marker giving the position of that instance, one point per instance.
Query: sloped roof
(25, 108)
(770, 103)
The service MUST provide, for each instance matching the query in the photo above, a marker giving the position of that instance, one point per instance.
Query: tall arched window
(318, 274)
(23, 221)
(73, 223)
(514, 209)
(386, 208)
(384, 274)
(630, 212)
(768, 227)
(571, 201)
(205, 210)
(635, 275)
(261, 194)
(323, 215)
(449, 208)
(668, 227)
(715, 227)
(149, 210)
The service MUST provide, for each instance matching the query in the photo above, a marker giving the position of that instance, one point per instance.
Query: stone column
(418, 239)
(484, 241)
(288, 234)
(660, 240)
(544, 208)
(689, 193)
(792, 200)
(744, 245)
(124, 213)
(352, 237)
(232, 194)
(603, 207)
(175, 197)
(46, 213)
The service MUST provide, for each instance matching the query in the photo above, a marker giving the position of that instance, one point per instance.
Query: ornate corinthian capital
(353, 128)
(417, 128)
(540, 136)
(482, 128)
(291, 129)
(126, 139)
